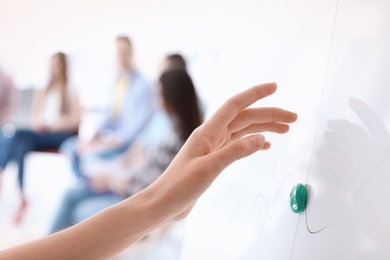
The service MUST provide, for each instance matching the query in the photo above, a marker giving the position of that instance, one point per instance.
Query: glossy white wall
(331, 61)
(349, 174)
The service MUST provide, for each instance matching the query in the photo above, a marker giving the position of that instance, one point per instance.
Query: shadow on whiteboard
(359, 153)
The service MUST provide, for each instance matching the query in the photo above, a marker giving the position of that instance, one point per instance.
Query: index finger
(234, 105)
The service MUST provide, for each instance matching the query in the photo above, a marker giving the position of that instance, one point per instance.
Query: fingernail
(259, 141)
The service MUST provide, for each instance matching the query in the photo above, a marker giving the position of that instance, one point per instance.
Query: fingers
(266, 146)
(236, 150)
(253, 116)
(230, 109)
(264, 127)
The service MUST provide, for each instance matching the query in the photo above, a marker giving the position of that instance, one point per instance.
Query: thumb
(236, 150)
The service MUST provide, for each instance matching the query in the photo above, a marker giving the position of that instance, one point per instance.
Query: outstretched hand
(232, 133)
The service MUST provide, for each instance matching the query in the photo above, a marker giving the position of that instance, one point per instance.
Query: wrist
(157, 210)
(139, 215)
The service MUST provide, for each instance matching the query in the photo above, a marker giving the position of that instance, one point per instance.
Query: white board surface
(331, 60)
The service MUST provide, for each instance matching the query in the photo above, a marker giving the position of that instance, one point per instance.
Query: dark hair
(178, 93)
(176, 61)
(124, 39)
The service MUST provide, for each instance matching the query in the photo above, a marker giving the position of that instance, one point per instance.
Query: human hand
(39, 127)
(84, 146)
(100, 183)
(215, 145)
(135, 156)
(105, 182)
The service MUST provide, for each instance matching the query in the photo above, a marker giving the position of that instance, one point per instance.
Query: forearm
(36, 108)
(100, 144)
(101, 236)
(66, 124)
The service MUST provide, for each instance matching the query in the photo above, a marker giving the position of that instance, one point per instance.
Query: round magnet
(298, 198)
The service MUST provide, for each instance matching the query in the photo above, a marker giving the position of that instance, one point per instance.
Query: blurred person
(152, 135)
(177, 61)
(7, 100)
(131, 109)
(117, 179)
(216, 144)
(174, 62)
(7, 97)
(55, 117)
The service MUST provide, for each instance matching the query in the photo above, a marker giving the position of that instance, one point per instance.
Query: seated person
(7, 98)
(133, 174)
(55, 117)
(131, 109)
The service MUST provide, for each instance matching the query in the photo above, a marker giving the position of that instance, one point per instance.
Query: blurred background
(32, 32)
(314, 50)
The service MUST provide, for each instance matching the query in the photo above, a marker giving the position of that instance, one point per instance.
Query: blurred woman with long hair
(55, 117)
(126, 176)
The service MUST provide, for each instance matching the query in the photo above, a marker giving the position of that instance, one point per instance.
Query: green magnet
(298, 198)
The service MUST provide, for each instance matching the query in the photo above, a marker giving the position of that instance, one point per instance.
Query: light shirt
(51, 107)
(136, 109)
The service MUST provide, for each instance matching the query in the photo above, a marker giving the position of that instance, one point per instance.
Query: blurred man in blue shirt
(131, 108)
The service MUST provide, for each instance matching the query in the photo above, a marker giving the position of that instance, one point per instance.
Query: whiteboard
(331, 61)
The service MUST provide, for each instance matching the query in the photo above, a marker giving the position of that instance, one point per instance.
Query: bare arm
(36, 109)
(209, 150)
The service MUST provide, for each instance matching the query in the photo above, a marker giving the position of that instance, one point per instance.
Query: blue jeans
(79, 203)
(24, 141)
